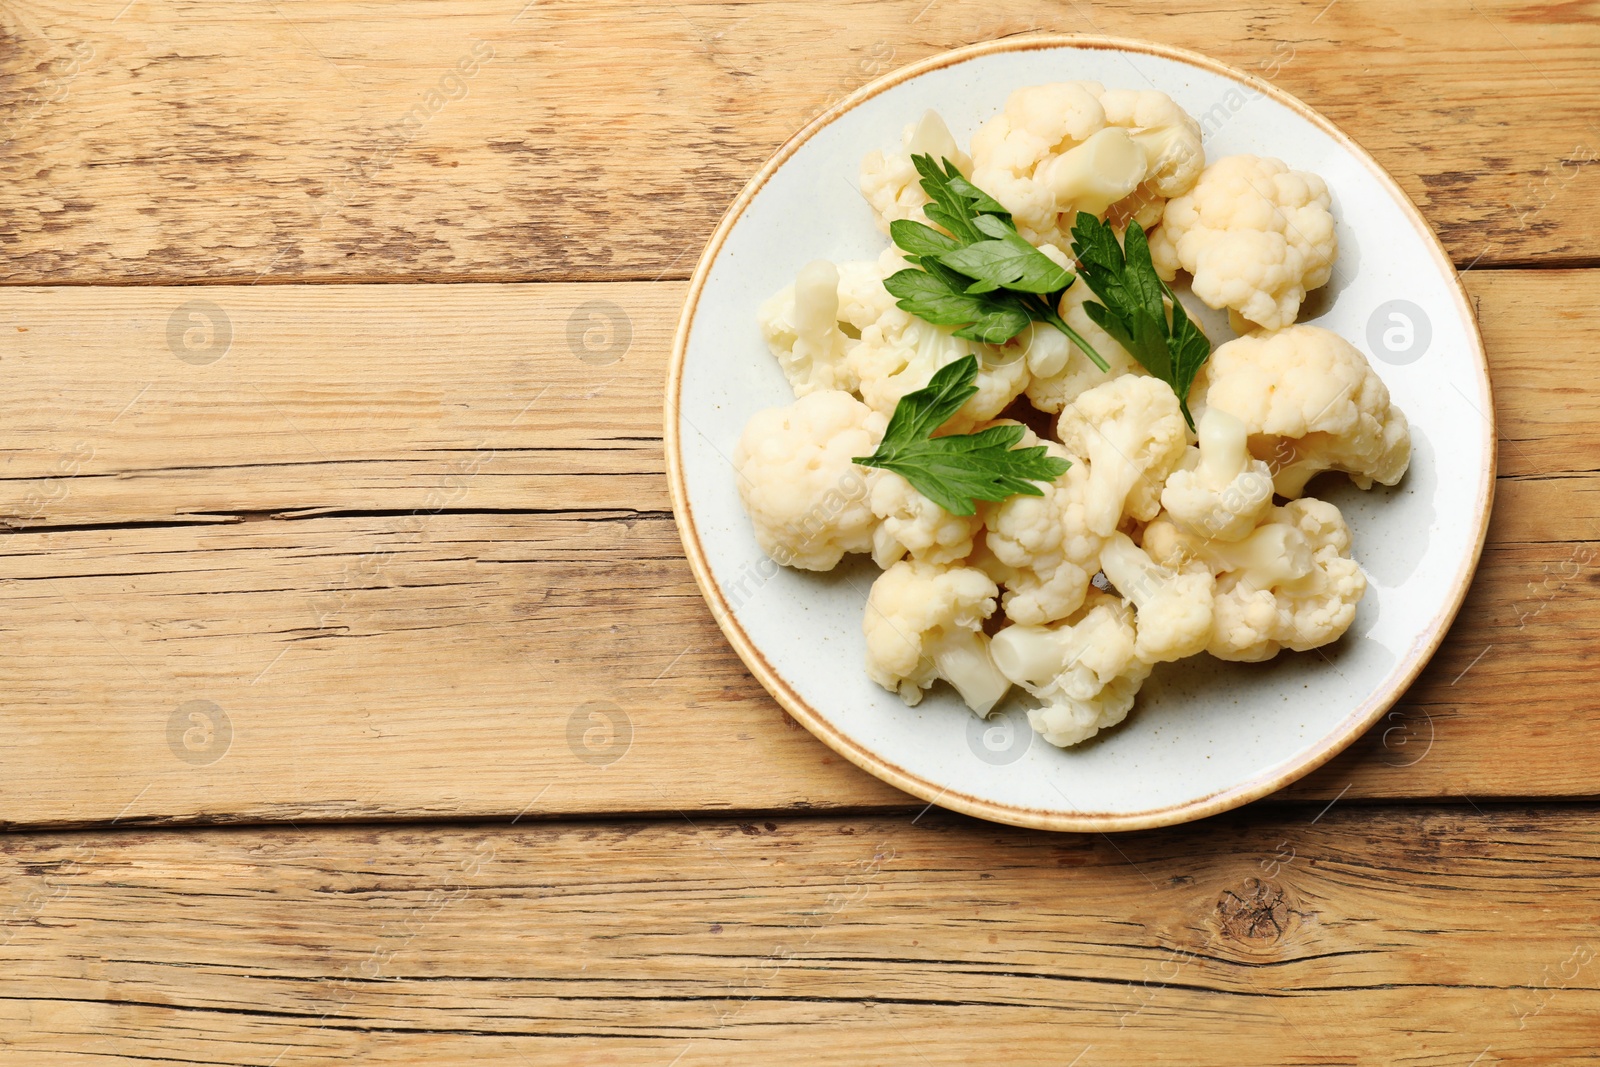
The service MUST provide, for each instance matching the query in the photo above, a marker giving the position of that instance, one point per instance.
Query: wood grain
(489, 397)
(404, 583)
(423, 666)
(329, 140)
(1423, 937)
(555, 664)
(305, 398)
(319, 554)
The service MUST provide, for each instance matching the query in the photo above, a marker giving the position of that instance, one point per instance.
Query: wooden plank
(328, 140)
(426, 666)
(1422, 937)
(470, 665)
(417, 398)
(155, 404)
(432, 658)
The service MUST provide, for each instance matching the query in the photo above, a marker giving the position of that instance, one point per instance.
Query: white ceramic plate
(1205, 736)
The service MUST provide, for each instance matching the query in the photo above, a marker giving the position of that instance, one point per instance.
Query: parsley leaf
(958, 470)
(981, 275)
(1006, 260)
(919, 239)
(956, 201)
(1133, 309)
(939, 295)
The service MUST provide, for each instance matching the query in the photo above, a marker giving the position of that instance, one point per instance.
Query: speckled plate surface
(1205, 736)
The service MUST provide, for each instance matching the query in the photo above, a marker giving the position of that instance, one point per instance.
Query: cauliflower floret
(800, 323)
(1219, 491)
(1133, 435)
(1172, 608)
(806, 498)
(1085, 669)
(1255, 235)
(912, 524)
(925, 622)
(1067, 147)
(1171, 140)
(1037, 126)
(1311, 402)
(1040, 547)
(899, 353)
(837, 327)
(1290, 584)
(891, 183)
(1057, 371)
(862, 297)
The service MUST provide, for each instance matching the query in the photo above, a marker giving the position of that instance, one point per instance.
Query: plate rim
(1270, 780)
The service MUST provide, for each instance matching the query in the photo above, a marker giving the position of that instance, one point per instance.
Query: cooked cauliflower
(1290, 584)
(890, 181)
(1172, 608)
(801, 325)
(1156, 543)
(1040, 547)
(1133, 435)
(1057, 370)
(862, 297)
(924, 622)
(1219, 490)
(807, 500)
(899, 353)
(1171, 140)
(914, 525)
(1085, 670)
(1059, 149)
(1310, 402)
(1255, 235)
(837, 327)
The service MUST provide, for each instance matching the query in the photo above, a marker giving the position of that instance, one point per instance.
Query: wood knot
(1258, 914)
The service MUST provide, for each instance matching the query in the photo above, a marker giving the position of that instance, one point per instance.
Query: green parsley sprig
(981, 275)
(957, 470)
(1133, 310)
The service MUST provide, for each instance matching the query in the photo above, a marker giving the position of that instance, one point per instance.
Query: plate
(1205, 735)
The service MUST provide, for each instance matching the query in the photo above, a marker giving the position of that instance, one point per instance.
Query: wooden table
(357, 702)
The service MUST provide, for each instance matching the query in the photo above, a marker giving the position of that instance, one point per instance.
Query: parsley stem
(1049, 315)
